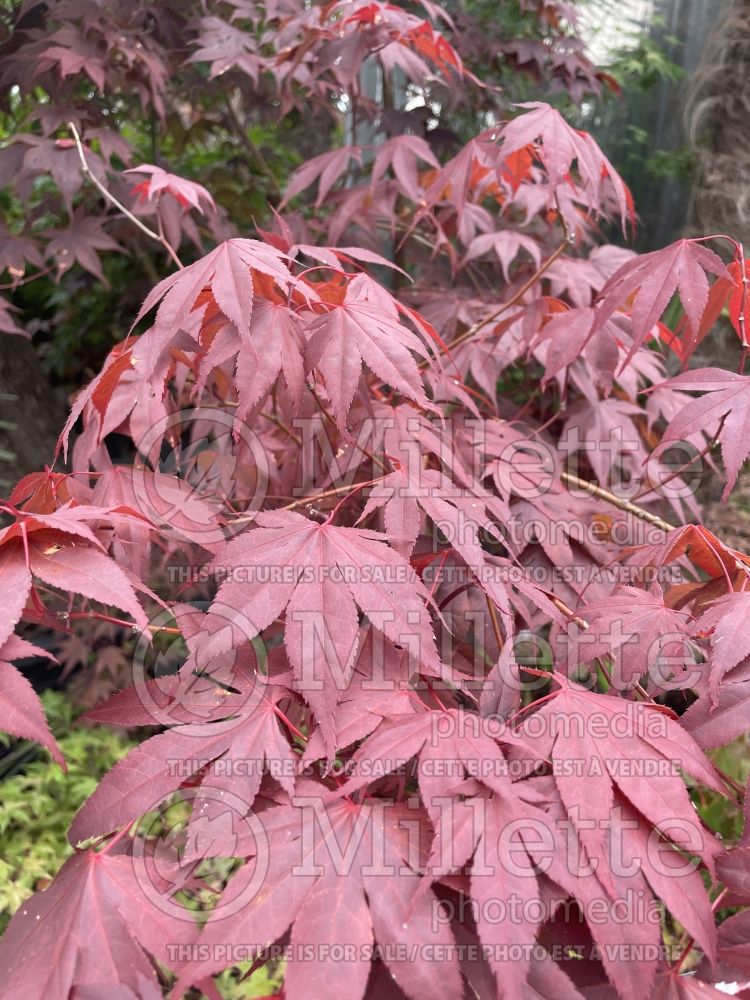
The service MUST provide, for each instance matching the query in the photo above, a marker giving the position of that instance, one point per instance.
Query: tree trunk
(32, 413)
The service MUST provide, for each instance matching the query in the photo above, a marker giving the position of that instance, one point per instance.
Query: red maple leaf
(21, 711)
(319, 574)
(188, 193)
(360, 330)
(723, 407)
(328, 898)
(89, 934)
(653, 278)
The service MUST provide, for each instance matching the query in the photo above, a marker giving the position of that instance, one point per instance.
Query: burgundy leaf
(90, 930)
(654, 278)
(21, 711)
(727, 399)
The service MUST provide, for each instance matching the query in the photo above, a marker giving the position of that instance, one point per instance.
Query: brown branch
(568, 240)
(673, 475)
(582, 623)
(327, 416)
(597, 491)
(303, 501)
(468, 334)
(12, 285)
(108, 196)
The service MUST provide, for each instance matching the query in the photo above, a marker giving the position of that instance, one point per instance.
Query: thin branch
(108, 196)
(13, 285)
(568, 240)
(689, 942)
(514, 300)
(583, 624)
(568, 612)
(677, 472)
(303, 501)
(327, 416)
(611, 498)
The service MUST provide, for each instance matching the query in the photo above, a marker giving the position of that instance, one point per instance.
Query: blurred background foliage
(229, 134)
(39, 799)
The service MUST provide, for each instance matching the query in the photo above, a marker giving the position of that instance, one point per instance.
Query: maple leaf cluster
(229, 69)
(443, 680)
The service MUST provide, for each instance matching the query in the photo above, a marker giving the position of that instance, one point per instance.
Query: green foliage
(262, 983)
(717, 811)
(642, 62)
(637, 126)
(38, 802)
(671, 164)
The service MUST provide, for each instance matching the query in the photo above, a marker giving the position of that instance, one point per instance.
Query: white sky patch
(607, 25)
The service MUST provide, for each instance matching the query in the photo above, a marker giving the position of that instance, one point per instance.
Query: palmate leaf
(460, 517)
(148, 775)
(21, 711)
(559, 146)
(326, 169)
(714, 720)
(653, 278)
(597, 795)
(363, 329)
(80, 243)
(727, 620)
(633, 625)
(506, 245)
(338, 874)
(63, 551)
(188, 193)
(226, 47)
(401, 154)
(89, 933)
(226, 271)
(243, 301)
(319, 575)
(725, 399)
(434, 806)
(695, 542)
(579, 725)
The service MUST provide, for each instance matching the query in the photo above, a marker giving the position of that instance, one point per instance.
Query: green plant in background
(640, 125)
(38, 799)
(675, 164)
(642, 62)
(262, 983)
(718, 812)
(6, 457)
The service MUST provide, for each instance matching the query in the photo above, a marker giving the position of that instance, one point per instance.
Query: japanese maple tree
(452, 646)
